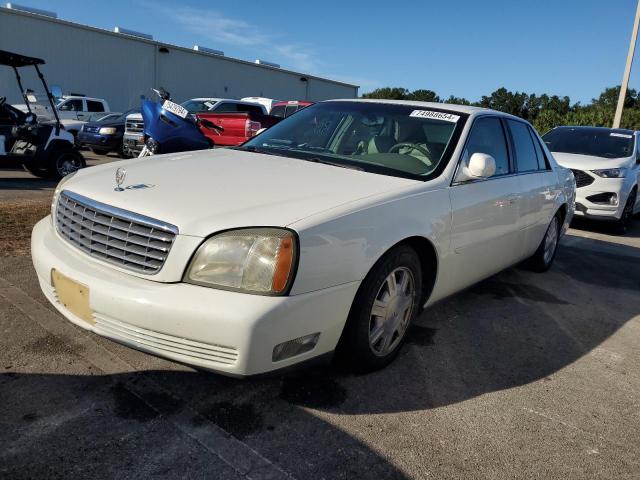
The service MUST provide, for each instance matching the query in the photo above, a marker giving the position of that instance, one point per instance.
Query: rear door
(484, 230)
(538, 185)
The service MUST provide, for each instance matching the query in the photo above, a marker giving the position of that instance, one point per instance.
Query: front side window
(196, 106)
(71, 106)
(597, 142)
(401, 140)
(525, 151)
(226, 107)
(487, 136)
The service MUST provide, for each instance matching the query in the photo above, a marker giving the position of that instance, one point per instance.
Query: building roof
(168, 45)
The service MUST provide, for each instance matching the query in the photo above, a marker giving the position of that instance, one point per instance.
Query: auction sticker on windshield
(175, 108)
(621, 135)
(447, 117)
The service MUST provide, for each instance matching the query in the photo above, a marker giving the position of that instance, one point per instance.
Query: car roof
(468, 109)
(292, 102)
(592, 128)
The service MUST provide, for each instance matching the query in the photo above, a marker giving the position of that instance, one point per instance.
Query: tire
(542, 259)
(622, 225)
(63, 162)
(100, 151)
(379, 319)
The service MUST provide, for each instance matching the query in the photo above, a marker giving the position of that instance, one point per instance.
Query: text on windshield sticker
(447, 117)
(623, 135)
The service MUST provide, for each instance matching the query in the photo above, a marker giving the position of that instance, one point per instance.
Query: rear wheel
(542, 260)
(624, 223)
(385, 305)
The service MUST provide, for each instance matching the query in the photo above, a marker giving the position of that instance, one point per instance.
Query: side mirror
(481, 165)
(56, 91)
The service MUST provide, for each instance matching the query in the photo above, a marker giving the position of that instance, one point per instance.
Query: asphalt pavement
(522, 376)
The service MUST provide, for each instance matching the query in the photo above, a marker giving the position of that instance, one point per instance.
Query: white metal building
(121, 67)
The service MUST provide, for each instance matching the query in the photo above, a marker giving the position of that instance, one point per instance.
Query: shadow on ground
(510, 330)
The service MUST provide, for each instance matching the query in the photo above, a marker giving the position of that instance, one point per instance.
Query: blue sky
(462, 47)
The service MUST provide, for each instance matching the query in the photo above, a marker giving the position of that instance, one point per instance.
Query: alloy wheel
(391, 311)
(551, 241)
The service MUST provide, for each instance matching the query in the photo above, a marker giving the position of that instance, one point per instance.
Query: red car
(237, 127)
(284, 109)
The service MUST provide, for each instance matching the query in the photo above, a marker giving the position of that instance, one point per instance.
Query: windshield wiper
(335, 164)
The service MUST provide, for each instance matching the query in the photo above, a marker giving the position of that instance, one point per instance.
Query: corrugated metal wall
(120, 69)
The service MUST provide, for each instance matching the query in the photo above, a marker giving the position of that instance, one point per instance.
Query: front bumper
(111, 142)
(227, 332)
(600, 211)
(133, 143)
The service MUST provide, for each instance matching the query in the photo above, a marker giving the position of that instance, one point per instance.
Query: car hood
(587, 162)
(105, 124)
(212, 190)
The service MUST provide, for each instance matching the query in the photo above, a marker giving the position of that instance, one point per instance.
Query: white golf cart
(45, 148)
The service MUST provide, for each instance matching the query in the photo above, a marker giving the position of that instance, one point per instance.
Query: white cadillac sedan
(606, 165)
(328, 232)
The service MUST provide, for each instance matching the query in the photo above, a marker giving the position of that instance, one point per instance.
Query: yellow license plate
(73, 295)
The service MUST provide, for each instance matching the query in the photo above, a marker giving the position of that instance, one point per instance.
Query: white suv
(606, 166)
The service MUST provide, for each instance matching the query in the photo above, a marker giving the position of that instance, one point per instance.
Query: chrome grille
(134, 126)
(582, 179)
(117, 236)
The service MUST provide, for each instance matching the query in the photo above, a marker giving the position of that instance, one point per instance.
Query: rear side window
(93, 106)
(487, 136)
(542, 161)
(278, 111)
(290, 110)
(526, 157)
(226, 107)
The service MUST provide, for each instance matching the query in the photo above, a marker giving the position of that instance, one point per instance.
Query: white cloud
(220, 30)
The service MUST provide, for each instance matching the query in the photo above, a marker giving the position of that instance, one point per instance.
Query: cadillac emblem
(121, 173)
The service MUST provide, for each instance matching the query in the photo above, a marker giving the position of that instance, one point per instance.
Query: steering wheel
(414, 146)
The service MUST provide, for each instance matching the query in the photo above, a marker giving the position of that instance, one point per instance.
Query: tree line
(543, 111)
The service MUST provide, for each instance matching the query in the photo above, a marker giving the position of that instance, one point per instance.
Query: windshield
(401, 140)
(195, 106)
(118, 117)
(596, 142)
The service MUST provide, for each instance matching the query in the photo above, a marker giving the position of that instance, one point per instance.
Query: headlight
(611, 172)
(107, 130)
(256, 260)
(152, 145)
(56, 194)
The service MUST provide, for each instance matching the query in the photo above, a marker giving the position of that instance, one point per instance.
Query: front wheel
(385, 305)
(65, 161)
(542, 259)
(627, 214)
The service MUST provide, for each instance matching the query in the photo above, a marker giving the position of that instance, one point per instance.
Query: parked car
(236, 128)
(266, 102)
(606, 165)
(133, 139)
(284, 109)
(329, 231)
(73, 110)
(43, 147)
(105, 135)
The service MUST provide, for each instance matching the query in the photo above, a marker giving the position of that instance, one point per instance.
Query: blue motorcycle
(169, 127)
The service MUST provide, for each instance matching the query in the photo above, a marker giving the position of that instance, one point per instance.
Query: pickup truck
(238, 127)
